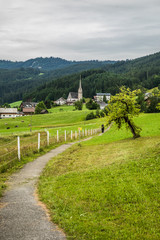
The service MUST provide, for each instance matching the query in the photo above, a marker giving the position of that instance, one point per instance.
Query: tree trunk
(132, 127)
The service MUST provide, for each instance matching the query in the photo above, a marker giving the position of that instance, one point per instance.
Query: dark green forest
(16, 83)
(37, 84)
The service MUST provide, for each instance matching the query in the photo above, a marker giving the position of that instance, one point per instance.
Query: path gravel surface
(22, 216)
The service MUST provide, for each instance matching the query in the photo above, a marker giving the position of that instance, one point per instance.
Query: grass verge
(106, 188)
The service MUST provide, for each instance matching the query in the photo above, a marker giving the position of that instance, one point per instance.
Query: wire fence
(22, 146)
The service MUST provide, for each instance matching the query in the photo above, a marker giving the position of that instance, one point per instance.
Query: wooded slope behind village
(40, 84)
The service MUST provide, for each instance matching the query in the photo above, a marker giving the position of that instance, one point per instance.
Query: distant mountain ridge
(50, 63)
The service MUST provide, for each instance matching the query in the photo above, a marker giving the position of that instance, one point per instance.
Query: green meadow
(59, 118)
(107, 187)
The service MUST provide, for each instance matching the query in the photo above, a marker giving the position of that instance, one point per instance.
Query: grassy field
(15, 104)
(57, 119)
(108, 187)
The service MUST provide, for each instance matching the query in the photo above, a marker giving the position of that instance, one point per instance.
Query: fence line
(7, 153)
(27, 145)
(8, 143)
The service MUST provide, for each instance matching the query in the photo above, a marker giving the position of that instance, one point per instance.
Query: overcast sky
(79, 29)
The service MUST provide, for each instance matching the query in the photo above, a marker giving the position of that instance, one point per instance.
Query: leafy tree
(104, 99)
(92, 105)
(40, 106)
(78, 105)
(48, 104)
(122, 108)
(6, 105)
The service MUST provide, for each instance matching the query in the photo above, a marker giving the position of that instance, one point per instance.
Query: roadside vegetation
(108, 187)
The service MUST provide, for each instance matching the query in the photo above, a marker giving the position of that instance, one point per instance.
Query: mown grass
(108, 187)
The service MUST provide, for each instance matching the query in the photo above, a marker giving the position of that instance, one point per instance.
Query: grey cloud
(86, 29)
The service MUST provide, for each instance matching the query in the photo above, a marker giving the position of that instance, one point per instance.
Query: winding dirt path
(21, 214)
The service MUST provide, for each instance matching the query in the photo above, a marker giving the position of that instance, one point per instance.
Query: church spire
(80, 91)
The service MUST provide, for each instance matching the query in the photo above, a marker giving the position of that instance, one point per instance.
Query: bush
(90, 116)
(40, 106)
(92, 105)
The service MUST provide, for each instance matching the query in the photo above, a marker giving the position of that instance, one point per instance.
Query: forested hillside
(37, 84)
(14, 83)
(93, 81)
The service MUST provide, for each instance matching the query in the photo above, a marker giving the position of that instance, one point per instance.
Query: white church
(75, 96)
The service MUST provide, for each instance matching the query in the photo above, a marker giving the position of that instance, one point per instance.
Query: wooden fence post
(71, 134)
(65, 137)
(19, 152)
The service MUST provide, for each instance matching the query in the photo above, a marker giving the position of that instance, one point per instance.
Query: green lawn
(108, 187)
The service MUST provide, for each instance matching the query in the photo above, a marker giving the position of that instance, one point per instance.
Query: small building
(102, 105)
(28, 111)
(9, 113)
(100, 97)
(28, 104)
(72, 98)
(60, 101)
(28, 108)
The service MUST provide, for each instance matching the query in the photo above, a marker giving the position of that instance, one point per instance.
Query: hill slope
(50, 63)
(40, 85)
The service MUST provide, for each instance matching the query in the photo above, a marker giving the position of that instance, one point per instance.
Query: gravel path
(22, 216)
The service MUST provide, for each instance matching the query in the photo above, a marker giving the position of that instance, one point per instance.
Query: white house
(60, 101)
(9, 113)
(100, 97)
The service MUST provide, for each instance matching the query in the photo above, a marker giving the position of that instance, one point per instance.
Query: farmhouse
(100, 97)
(28, 108)
(9, 113)
(75, 96)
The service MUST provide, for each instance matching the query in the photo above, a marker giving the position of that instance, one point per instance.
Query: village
(28, 108)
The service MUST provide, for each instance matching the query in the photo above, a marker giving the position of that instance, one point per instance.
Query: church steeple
(80, 91)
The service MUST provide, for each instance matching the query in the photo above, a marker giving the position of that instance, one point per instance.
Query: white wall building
(9, 113)
(100, 97)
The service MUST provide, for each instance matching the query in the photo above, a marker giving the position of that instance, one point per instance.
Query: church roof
(103, 94)
(74, 95)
